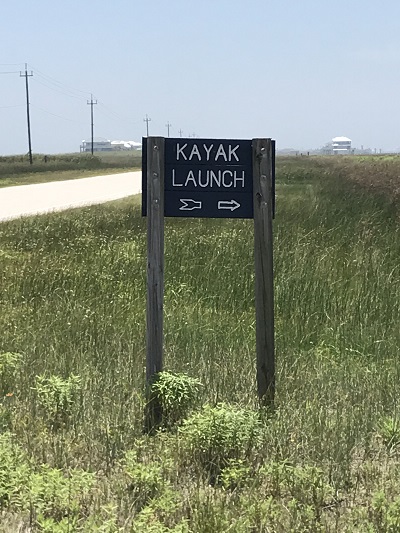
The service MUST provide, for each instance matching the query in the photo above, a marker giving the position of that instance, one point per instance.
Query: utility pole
(168, 125)
(147, 120)
(91, 103)
(26, 76)
(180, 133)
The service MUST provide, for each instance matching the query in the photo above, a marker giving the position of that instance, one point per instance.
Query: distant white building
(341, 145)
(126, 145)
(103, 145)
(99, 145)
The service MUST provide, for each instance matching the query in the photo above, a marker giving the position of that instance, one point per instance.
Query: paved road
(23, 200)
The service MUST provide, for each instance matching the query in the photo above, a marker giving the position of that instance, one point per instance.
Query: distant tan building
(341, 145)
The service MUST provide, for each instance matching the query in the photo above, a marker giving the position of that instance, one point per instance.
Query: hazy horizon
(301, 73)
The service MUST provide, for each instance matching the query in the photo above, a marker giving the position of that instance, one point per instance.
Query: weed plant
(73, 456)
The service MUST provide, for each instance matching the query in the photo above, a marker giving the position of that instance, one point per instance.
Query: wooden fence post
(263, 257)
(155, 272)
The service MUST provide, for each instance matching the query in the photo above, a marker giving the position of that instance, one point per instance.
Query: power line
(103, 107)
(26, 76)
(11, 106)
(109, 111)
(147, 120)
(91, 103)
(59, 87)
(59, 91)
(55, 85)
(54, 115)
(54, 81)
(64, 89)
(116, 115)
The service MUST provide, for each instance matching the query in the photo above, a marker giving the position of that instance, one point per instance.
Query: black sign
(210, 178)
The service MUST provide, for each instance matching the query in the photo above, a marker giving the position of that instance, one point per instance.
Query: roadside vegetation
(377, 173)
(16, 170)
(73, 454)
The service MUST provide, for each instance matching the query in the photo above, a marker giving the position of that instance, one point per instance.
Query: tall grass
(73, 303)
(13, 168)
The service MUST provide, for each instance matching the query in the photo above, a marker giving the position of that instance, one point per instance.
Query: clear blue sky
(301, 72)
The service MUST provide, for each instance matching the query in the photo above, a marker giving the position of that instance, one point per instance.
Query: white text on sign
(203, 153)
(211, 178)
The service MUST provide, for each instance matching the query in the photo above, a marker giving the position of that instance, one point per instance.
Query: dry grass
(379, 173)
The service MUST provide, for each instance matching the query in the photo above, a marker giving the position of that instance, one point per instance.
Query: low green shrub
(389, 432)
(176, 393)
(53, 495)
(5, 418)
(56, 397)
(236, 474)
(305, 484)
(146, 480)
(384, 514)
(14, 473)
(216, 435)
(162, 514)
(10, 363)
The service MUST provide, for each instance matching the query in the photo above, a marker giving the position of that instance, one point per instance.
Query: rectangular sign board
(210, 178)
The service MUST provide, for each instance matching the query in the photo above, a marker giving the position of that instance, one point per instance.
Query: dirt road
(26, 200)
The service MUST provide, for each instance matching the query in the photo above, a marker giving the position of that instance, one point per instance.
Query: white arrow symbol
(231, 204)
(189, 204)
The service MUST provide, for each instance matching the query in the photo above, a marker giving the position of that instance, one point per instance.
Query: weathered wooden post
(263, 159)
(155, 272)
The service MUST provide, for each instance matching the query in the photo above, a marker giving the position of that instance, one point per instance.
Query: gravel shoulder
(26, 200)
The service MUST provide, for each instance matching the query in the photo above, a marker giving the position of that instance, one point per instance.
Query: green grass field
(16, 170)
(73, 455)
